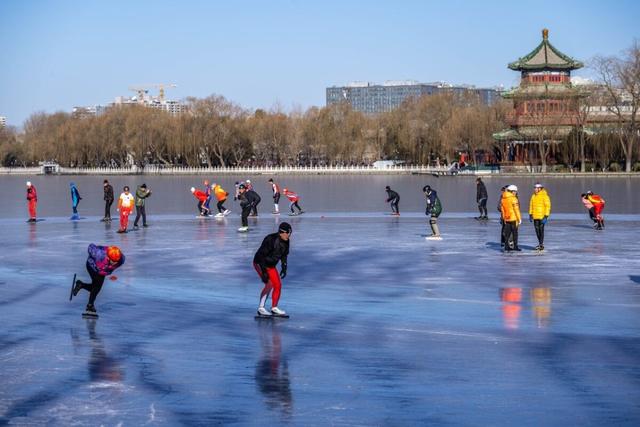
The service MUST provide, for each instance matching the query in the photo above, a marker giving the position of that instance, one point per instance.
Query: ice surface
(386, 327)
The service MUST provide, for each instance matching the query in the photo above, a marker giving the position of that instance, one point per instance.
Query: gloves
(544, 220)
(264, 276)
(530, 218)
(283, 272)
(519, 222)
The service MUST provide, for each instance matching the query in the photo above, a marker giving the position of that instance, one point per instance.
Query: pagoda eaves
(545, 57)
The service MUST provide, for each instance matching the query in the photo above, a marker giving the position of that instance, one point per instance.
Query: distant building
(3, 121)
(373, 98)
(545, 104)
(158, 103)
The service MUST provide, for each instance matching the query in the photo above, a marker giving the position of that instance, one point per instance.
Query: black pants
(74, 206)
(245, 215)
(254, 209)
(296, 205)
(510, 231)
(220, 205)
(107, 208)
(202, 209)
(394, 205)
(276, 198)
(140, 211)
(95, 286)
(539, 226)
(482, 207)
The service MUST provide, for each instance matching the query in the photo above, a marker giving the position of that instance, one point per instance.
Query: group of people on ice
(509, 209)
(248, 198)
(126, 204)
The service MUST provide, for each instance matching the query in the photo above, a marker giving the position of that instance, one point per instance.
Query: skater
(207, 191)
(393, 198)
(102, 261)
(510, 209)
(502, 228)
(221, 196)
(276, 197)
(434, 209)
(589, 206)
(108, 201)
(248, 185)
(142, 193)
(126, 203)
(75, 200)
(598, 205)
(202, 198)
(274, 248)
(237, 193)
(32, 201)
(293, 201)
(539, 211)
(481, 199)
(256, 197)
(247, 200)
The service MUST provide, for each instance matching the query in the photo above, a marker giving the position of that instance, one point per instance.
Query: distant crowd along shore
(393, 169)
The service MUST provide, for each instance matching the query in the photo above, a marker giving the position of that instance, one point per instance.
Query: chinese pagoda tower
(545, 104)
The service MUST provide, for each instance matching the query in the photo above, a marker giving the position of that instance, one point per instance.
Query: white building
(3, 121)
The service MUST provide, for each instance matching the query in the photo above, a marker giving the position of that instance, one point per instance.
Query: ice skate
(276, 312)
(219, 215)
(90, 312)
(434, 237)
(75, 217)
(263, 312)
(243, 229)
(226, 212)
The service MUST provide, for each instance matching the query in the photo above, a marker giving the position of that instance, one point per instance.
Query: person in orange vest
(598, 205)
(32, 201)
(539, 211)
(202, 199)
(510, 209)
(126, 202)
(293, 201)
(221, 196)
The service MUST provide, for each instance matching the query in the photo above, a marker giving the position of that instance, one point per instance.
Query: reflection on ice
(385, 327)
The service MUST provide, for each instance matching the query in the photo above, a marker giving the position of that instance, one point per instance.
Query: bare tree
(620, 77)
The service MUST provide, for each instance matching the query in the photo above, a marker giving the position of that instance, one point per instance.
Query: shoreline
(316, 170)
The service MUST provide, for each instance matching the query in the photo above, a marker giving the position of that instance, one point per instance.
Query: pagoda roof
(545, 57)
(545, 91)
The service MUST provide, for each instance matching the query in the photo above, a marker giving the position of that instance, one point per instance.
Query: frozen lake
(386, 328)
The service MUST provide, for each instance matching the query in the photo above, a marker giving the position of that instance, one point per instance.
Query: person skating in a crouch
(102, 261)
(274, 249)
(434, 209)
(247, 202)
(393, 198)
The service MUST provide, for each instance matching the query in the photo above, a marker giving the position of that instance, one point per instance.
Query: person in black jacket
(481, 199)
(393, 198)
(247, 201)
(256, 200)
(274, 249)
(108, 201)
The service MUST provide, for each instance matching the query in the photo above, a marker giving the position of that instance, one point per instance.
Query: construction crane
(143, 90)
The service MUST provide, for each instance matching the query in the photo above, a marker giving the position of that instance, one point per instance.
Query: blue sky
(259, 54)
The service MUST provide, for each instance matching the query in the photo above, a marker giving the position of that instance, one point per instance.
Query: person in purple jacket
(102, 261)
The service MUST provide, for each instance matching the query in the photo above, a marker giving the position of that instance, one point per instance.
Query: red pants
(273, 284)
(597, 209)
(124, 218)
(32, 208)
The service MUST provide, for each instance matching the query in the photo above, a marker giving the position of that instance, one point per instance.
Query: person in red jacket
(598, 205)
(202, 199)
(32, 201)
(293, 201)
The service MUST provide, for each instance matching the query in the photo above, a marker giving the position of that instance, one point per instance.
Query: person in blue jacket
(75, 200)
(101, 262)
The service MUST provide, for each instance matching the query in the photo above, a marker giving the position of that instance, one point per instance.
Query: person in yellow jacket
(539, 211)
(510, 209)
(221, 196)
